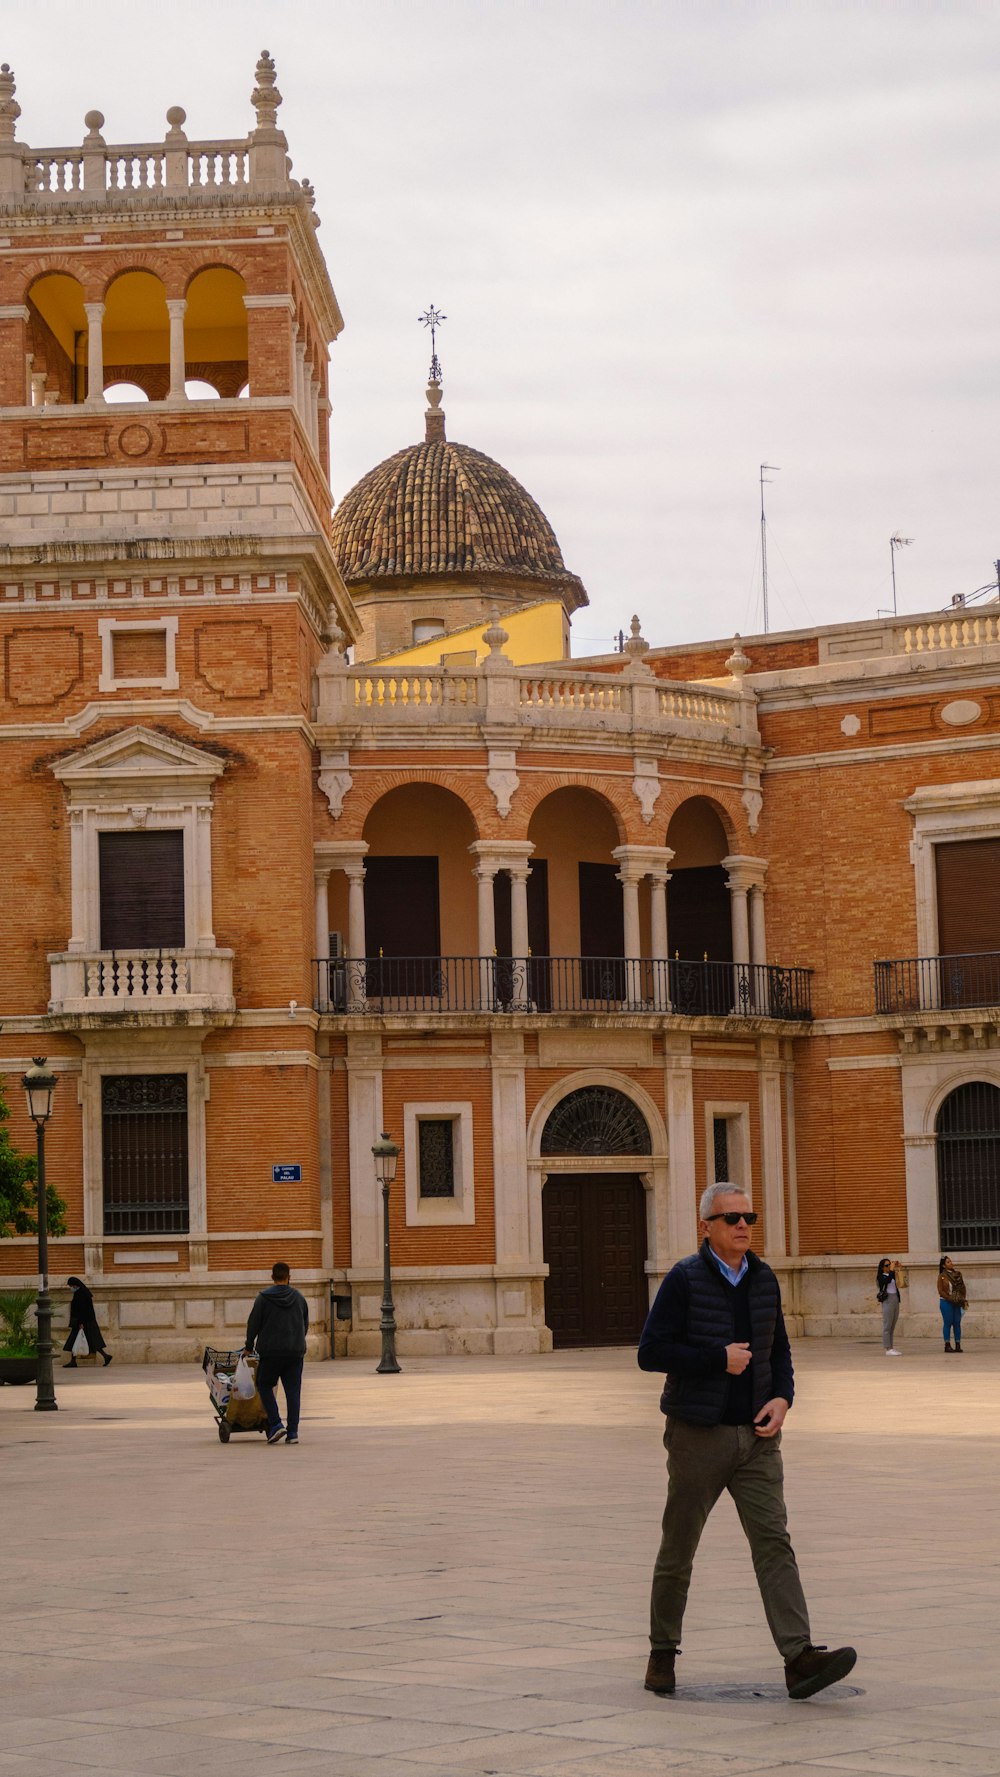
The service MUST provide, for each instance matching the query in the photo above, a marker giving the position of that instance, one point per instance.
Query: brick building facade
(582, 936)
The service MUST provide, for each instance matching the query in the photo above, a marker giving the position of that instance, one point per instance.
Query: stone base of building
(171, 1321)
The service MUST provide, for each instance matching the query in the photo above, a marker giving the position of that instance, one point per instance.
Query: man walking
(717, 1329)
(278, 1324)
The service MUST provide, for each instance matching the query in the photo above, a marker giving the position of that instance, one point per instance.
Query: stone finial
(495, 636)
(94, 121)
(738, 662)
(10, 110)
(434, 419)
(335, 637)
(265, 97)
(637, 645)
(176, 118)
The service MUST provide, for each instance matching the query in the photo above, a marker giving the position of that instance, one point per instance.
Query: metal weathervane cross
(433, 319)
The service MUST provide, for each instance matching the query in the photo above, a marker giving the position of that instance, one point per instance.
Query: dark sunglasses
(733, 1217)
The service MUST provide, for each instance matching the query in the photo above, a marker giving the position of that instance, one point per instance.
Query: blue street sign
(286, 1175)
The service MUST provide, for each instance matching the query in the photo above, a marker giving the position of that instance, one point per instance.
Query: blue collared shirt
(731, 1275)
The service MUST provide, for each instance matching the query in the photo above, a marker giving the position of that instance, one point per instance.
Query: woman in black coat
(83, 1318)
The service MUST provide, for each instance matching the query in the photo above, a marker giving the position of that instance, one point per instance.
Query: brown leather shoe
(660, 1671)
(816, 1667)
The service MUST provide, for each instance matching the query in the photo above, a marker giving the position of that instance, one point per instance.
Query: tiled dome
(443, 508)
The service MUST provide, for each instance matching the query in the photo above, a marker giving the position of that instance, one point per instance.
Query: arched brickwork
(370, 788)
(725, 803)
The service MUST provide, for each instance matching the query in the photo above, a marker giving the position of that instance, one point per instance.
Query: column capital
(94, 311)
(744, 872)
(637, 861)
(342, 854)
(176, 305)
(502, 854)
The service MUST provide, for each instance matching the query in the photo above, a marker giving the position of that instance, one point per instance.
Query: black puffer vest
(711, 1321)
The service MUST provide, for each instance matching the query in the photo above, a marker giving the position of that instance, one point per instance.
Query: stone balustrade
(499, 692)
(134, 981)
(98, 172)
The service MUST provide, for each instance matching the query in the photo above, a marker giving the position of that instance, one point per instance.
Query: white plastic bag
(244, 1383)
(79, 1347)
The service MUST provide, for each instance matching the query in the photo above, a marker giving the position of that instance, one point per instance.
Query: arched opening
(419, 901)
(575, 909)
(136, 332)
(594, 1219)
(197, 390)
(57, 332)
(968, 1168)
(119, 392)
(216, 349)
(699, 914)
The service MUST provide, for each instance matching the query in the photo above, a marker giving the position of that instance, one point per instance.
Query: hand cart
(231, 1413)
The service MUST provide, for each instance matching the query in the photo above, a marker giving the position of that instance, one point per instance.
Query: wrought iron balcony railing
(538, 984)
(937, 983)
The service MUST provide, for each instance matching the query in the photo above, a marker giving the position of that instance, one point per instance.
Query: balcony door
(142, 890)
(967, 878)
(403, 927)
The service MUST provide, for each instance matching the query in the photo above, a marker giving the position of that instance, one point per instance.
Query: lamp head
(39, 1085)
(385, 1153)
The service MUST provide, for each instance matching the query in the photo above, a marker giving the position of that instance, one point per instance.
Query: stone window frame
(943, 814)
(736, 1114)
(109, 627)
(92, 1073)
(169, 787)
(457, 1211)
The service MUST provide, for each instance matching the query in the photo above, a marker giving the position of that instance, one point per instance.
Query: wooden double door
(594, 1233)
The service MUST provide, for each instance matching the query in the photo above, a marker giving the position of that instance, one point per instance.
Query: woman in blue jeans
(953, 1302)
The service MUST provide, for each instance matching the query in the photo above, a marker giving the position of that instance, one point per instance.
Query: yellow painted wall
(539, 632)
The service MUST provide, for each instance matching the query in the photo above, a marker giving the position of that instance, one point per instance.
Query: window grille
(596, 1120)
(720, 1143)
(968, 1168)
(436, 1156)
(145, 1153)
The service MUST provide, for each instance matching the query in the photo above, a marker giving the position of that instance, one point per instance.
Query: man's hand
(737, 1358)
(771, 1418)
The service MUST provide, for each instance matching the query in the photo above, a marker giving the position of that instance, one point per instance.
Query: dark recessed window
(142, 890)
(720, 1145)
(436, 1156)
(145, 1153)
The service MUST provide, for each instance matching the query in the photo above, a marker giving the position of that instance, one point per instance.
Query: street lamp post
(39, 1086)
(385, 1154)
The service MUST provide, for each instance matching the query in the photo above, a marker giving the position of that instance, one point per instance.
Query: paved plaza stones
(450, 1575)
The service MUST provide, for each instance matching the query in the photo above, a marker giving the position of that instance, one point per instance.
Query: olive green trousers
(702, 1460)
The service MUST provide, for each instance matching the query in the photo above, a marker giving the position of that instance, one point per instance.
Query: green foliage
(18, 1195)
(18, 1327)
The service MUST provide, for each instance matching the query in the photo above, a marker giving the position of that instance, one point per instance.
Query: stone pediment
(136, 762)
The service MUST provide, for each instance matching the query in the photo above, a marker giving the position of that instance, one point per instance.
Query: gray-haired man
(717, 1330)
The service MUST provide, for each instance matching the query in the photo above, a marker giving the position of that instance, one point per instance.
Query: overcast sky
(672, 241)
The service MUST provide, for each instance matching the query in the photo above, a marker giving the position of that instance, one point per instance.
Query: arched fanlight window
(596, 1120)
(968, 1168)
(125, 392)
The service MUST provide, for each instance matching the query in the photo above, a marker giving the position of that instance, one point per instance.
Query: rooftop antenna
(896, 542)
(766, 471)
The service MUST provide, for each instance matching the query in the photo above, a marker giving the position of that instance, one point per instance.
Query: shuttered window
(142, 890)
(968, 896)
(401, 907)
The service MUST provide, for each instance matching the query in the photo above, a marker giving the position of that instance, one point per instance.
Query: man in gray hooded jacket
(279, 1321)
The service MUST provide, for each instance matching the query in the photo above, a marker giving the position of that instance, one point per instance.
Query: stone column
(772, 1147)
(300, 379)
(203, 934)
(321, 880)
(487, 932)
(95, 353)
(682, 1217)
(659, 942)
(519, 912)
(355, 872)
(313, 405)
(176, 306)
(630, 905)
(758, 937)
